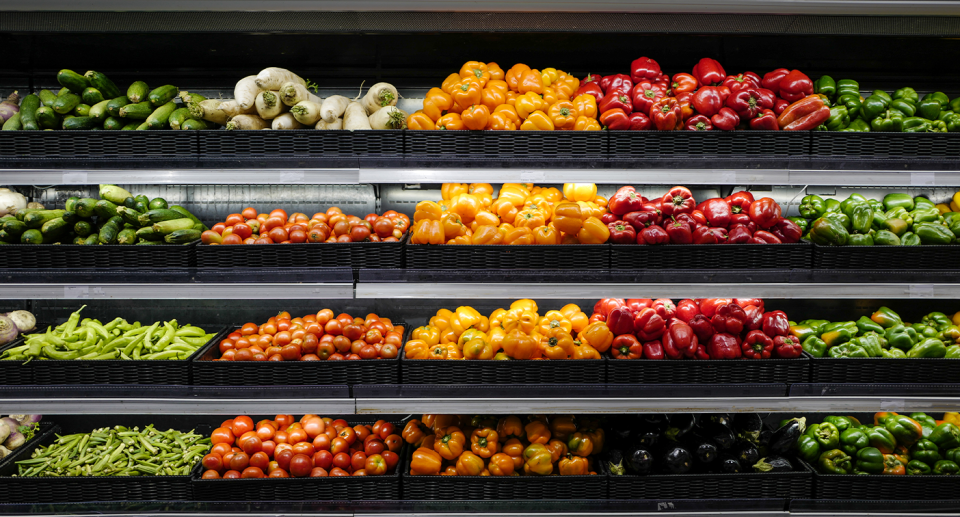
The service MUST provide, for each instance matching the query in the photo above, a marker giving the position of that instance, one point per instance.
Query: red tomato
(304, 448)
(297, 436)
(333, 327)
(386, 429)
(337, 471)
(278, 473)
(323, 459)
(219, 227)
(301, 465)
(290, 352)
(391, 458)
(249, 213)
(268, 447)
(358, 460)
(210, 474)
(374, 446)
(266, 431)
(316, 234)
(233, 219)
(314, 427)
(220, 449)
(248, 329)
(270, 223)
(321, 442)
(375, 465)
(251, 444)
(225, 345)
(310, 344)
(338, 445)
(243, 355)
(393, 442)
(352, 357)
(341, 460)
(318, 472)
(383, 227)
(360, 472)
(348, 435)
(231, 474)
(260, 460)
(368, 352)
(252, 472)
(310, 357)
(388, 351)
(283, 459)
(282, 338)
(213, 461)
(373, 336)
(279, 212)
(232, 239)
(242, 424)
(222, 435)
(278, 234)
(353, 332)
(243, 230)
(263, 240)
(239, 461)
(359, 233)
(211, 237)
(334, 357)
(298, 236)
(283, 420)
(280, 447)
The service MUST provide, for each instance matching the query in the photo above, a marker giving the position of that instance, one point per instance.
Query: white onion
(11, 201)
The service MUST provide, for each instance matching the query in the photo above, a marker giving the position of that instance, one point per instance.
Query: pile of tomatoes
(310, 447)
(251, 227)
(314, 337)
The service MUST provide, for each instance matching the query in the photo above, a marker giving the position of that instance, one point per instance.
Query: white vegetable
(24, 320)
(27, 419)
(4, 432)
(336, 124)
(285, 121)
(390, 117)
(247, 122)
(306, 112)
(245, 92)
(11, 201)
(34, 204)
(15, 440)
(232, 108)
(379, 96)
(333, 107)
(292, 93)
(210, 110)
(4, 452)
(269, 105)
(355, 117)
(273, 78)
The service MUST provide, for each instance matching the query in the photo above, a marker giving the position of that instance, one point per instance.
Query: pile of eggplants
(699, 444)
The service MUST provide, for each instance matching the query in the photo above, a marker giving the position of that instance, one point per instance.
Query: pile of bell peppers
(904, 111)
(894, 445)
(710, 328)
(898, 220)
(519, 332)
(676, 218)
(883, 334)
(464, 445)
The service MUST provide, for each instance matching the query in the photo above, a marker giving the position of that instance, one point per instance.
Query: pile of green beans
(91, 340)
(118, 451)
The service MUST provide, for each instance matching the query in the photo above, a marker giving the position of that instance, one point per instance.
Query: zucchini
(149, 243)
(47, 98)
(85, 207)
(127, 237)
(158, 203)
(63, 91)
(79, 241)
(47, 118)
(137, 91)
(112, 124)
(91, 96)
(24, 211)
(99, 110)
(114, 194)
(147, 233)
(102, 83)
(83, 228)
(143, 127)
(173, 225)
(105, 209)
(28, 112)
(54, 226)
(108, 234)
(115, 104)
(186, 213)
(31, 237)
(195, 125)
(130, 202)
(39, 218)
(115, 220)
(14, 228)
(188, 97)
(158, 119)
(71, 204)
(92, 239)
(155, 216)
(162, 95)
(71, 217)
(182, 236)
(82, 110)
(65, 103)
(13, 123)
(80, 123)
(129, 215)
(138, 111)
(73, 81)
(178, 117)
(130, 127)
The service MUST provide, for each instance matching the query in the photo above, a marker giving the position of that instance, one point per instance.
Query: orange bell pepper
(597, 335)
(465, 318)
(574, 466)
(582, 350)
(586, 105)
(586, 124)
(553, 322)
(562, 427)
(578, 319)
(467, 206)
(478, 348)
(469, 464)
(414, 432)
(449, 83)
(428, 231)
(438, 352)
(564, 90)
(558, 449)
(428, 334)
(593, 231)
(511, 427)
(475, 117)
(498, 84)
(450, 122)
(416, 349)
(568, 218)
(466, 93)
(537, 460)
(487, 235)
(448, 335)
(511, 98)
(436, 102)
(519, 318)
(451, 470)
(461, 239)
(580, 191)
(581, 444)
(496, 73)
(510, 112)
(425, 462)
(558, 346)
(519, 345)
(480, 189)
(450, 442)
(475, 70)
(442, 422)
(524, 304)
(563, 114)
(521, 190)
(484, 218)
(442, 319)
(513, 76)
(537, 121)
(505, 210)
(483, 442)
(452, 225)
(492, 97)
(449, 190)
(519, 236)
(537, 432)
(568, 238)
(530, 81)
(546, 235)
(530, 218)
(527, 104)
(549, 96)
(501, 465)
(420, 120)
(500, 122)
(427, 210)
(514, 449)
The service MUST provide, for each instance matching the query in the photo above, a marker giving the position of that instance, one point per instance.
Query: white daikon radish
(336, 124)
(247, 122)
(269, 105)
(291, 93)
(211, 110)
(273, 78)
(285, 121)
(232, 108)
(355, 117)
(390, 117)
(379, 96)
(333, 107)
(245, 92)
(306, 112)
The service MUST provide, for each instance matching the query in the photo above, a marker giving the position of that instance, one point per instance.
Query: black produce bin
(795, 484)
(114, 371)
(914, 146)
(534, 256)
(876, 486)
(73, 145)
(300, 143)
(478, 371)
(710, 371)
(894, 258)
(29, 445)
(207, 372)
(880, 370)
(104, 256)
(700, 256)
(541, 145)
(298, 255)
(701, 144)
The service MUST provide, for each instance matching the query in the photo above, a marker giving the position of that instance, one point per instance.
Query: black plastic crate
(700, 256)
(710, 371)
(916, 146)
(115, 371)
(207, 372)
(796, 484)
(107, 256)
(300, 142)
(875, 486)
(477, 371)
(98, 144)
(709, 143)
(896, 258)
(880, 370)
(30, 444)
(455, 145)
(534, 256)
(340, 254)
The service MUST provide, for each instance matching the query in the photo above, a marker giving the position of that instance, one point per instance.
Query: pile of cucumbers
(118, 217)
(92, 101)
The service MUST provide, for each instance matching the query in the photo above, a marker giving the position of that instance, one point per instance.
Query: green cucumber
(65, 103)
(13, 123)
(54, 226)
(187, 97)
(127, 237)
(79, 241)
(105, 209)
(186, 213)
(150, 243)
(143, 127)
(14, 228)
(47, 98)
(21, 213)
(115, 105)
(138, 111)
(63, 91)
(31, 237)
(6, 238)
(103, 83)
(73, 81)
(99, 110)
(108, 233)
(112, 193)
(155, 216)
(130, 127)
(82, 110)
(83, 228)
(178, 117)
(158, 203)
(130, 202)
(162, 95)
(115, 220)
(129, 215)
(147, 233)
(28, 112)
(112, 124)
(92, 96)
(158, 119)
(182, 236)
(92, 239)
(137, 91)
(71, 204)
(195, 125)
(81, 123)
(48, 118)
(85, 207)
(173, 225)
(38, 218)
(71, 217)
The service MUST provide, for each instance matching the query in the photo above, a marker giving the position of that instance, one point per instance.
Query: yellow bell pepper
(416, 349)
(496, 318)
(515, 193)
(527, 104)
(525, 304)
(520, 345)
(586, 106)
(530, 81)
(427, 210)
(522, 319)
(448, 190)
(956, 318)
(428, 334)
(518, 236)
(943, 208)
(461, 239)
(537, 121)
(956, 199)
(586, 123)
(580, 191)
(593, 231)
(466, 206)
(487, 234)
(952, 417)
(495, 338)
(530, 218)
(549, 97)
(448, 335)
(578, 319)
(452, 225)
(597, 335)
(470, 334)
(428, 231)
(546, 235)
(478, 348)
(537, 460)
(558, 346)
(563, 114)
(466, 93)
(453, 351)
(438, 351)
(442, 319)
(553, 322)
(583, 350)
(548, 76)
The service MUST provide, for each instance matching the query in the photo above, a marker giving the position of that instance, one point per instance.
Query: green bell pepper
(815, 346)
(839, 118)
(859, 239)
(908, 94)
(955, 105)
(951, 334)
(825, 85)
(879, 217)
(946, 468)
(922, 202)
(903, 107)
(924, 331)
(842, 423)
(827, 435)
(946, 436)
(899, 336)
(883, 95)
(834, 462)
(802, 332)
(925, 215)
(906, 430)
(802, 222)
(870, 460)
(917, 125)
(929, 347)
(848, 350)
(882, 439)
(953, 352)
(910, 239)
(925, 451)
(952, 122)
(917, 468)
(831, 205)
(857, 126)
(808, 448)
(812, 206)
(852, 199)
(871, 343)
(890, 122)
(939, 97)
(852, 440)
(848, 86)
(893, 353)
(955, 227)
(929, 109)
(811, 430)
(861, 217)
(849, 325)
(873, 106)
(886, 317)
(952, 455)
(896, 226)
(840, 218)
(934, 234)
(828, 232)
(898, 200)
(938, 320)
(837, 336)
(816, 325)
(865, 324)
(926, 421)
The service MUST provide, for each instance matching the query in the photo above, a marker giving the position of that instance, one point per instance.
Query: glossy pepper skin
(678, 200)
(625, 200)
(787, 347)
(828, 232)
(723, 346)
(834, 461)
(787, 231)
(698, 123)
(748, 103)
(615, 119)
(765, 212)
(615, 99)
(645, 95)
(891, 122)
(881, 439)
(626, 346)
(644, 68)
(886, 317)
(906, 430)
(742, 81)
(946, 436)
(853, 439)
(709, 100)
(726, 119)
(946, 468)
(926, 451)
(795, 86)
(729, 318)
(825, 85)
(665, 114)
(718, 212)
(870, 460)
(765, 120)
(622, 233)
(709, 72)
(757, 345)
(803, 115)
(653, 235)
(683, 83)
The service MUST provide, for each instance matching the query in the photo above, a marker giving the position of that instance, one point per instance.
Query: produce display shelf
(179, 176)
(197, 291)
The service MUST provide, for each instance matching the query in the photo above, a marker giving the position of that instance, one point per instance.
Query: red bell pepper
(615, 119)
(683, 83)
(748, 103)
(645, 95)
(665, 308)
(698, 218)
(678, 200)
(757, 345)
(638, 304)
(653, 234)
(648, 325)
(699, 123)
(687, 218)
(616, 83)
(766, 120)
(739, 201)
(592, 88)
(620, 320)
(709, 306)
(707, 235)
(742, 81)
(754, 317)
(686, 108)
(663, 80)
(718, 212)
(605, 305)
(639, 122)
(729, 318)
(787, 231)
(626, 200)
(679, 232)
(803, 115)
(702, 327)
(653, 350)
(642, 219)
(776, 323)
(708, 101)
(591, 78)
(739, 234)
(626, 346)
(701, 354)
(622, 233)
(615, 99)
(746, 302)
(764, 212)
(724, 346)
(608, 218)
(687, 309)
(795, 86)
(769, 98)
(709, 72)
(679, 340)
(771, 80)
(644, 68)
(787, 347)
(725, 120)
(665, 114)
(779, 106)
(743, 219)
(764, 237)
